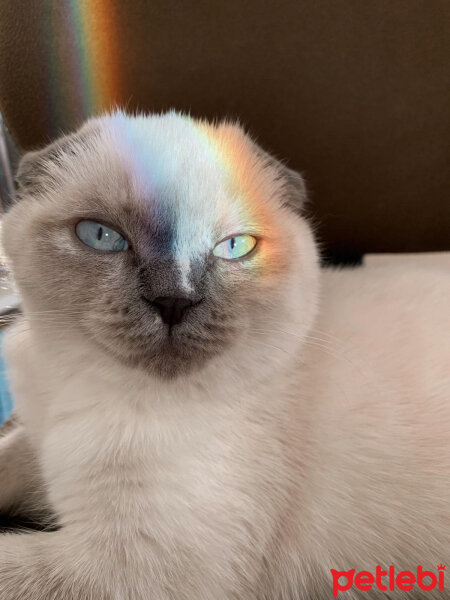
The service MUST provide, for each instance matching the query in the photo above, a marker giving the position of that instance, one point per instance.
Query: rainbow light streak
(81, 37)
(234, 152)
(222, 144)
(97, 27)
(85, 42)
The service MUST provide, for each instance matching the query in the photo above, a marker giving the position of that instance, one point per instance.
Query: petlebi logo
(388, 579)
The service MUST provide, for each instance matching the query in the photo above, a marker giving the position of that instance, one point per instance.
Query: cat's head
(164, 241)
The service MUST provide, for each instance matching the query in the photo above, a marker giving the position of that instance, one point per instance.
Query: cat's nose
(171, 308)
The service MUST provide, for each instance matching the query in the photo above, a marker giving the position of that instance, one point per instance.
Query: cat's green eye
(100, 237)
(235, 247)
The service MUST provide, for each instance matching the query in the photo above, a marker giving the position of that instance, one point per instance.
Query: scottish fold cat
(207, 414)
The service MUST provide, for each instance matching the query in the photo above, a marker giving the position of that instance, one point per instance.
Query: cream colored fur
(330, 449)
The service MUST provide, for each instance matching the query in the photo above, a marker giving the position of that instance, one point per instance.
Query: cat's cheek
(254, 280)
(268, 265)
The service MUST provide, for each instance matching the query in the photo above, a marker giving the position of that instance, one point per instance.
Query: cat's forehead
(183, 167)
(192, 179)
(165, 153)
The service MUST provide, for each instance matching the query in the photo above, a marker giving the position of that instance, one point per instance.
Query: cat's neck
(70, 363)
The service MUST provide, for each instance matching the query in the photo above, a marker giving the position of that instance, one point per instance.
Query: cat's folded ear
(34, 170)
(295, 193)
(37, 169)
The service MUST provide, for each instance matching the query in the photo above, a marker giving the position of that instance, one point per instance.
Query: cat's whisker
(272, 347)
(343, 346)
(321, 346)
(324, 345)
(333, 339)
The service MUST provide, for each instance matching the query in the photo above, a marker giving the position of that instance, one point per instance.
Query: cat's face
(164, 241)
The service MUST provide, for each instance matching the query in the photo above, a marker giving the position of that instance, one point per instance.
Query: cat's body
(307, 444)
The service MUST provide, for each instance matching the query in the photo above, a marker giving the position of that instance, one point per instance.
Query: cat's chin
(170, 358)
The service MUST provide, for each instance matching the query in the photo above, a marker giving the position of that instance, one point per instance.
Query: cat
(208, 414)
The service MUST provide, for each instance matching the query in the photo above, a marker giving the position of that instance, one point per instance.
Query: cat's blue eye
(100, 237)
(235, 247)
